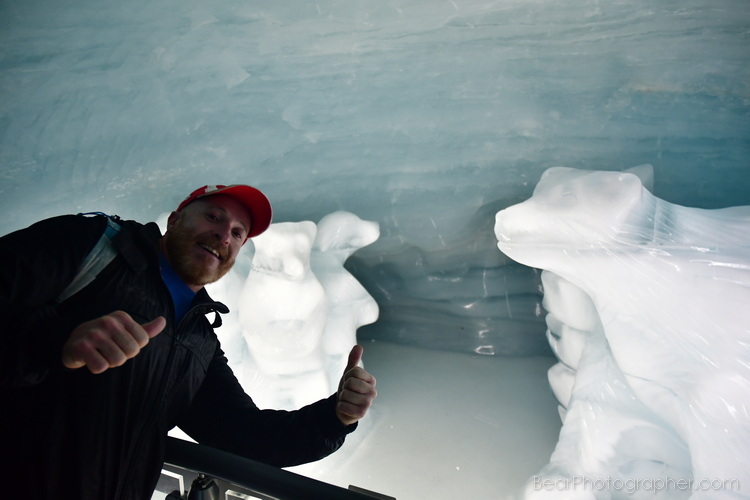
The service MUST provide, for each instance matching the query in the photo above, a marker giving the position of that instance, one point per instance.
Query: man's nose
(224, 234)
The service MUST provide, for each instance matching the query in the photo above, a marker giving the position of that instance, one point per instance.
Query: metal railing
(257, 477)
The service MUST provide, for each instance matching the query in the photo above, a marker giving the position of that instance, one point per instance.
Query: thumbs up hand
(109, 341)
(356, 390)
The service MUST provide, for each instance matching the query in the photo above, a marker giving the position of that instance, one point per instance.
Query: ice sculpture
(295, 309)
(339, 235)
(283, 312)
(608, 431)
(648, 314)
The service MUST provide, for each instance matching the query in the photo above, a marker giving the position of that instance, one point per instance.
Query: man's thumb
(355, 356)
(155, 326)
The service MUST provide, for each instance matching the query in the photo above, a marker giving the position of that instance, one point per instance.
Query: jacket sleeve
(37, 264)
(223, 416)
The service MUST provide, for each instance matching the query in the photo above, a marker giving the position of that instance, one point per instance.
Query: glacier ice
(422, 116)
(647, 314)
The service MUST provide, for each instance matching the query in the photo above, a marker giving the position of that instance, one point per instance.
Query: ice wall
(648, 315)
(424, 116)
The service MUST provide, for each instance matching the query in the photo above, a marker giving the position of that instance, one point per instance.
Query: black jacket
(70, 434)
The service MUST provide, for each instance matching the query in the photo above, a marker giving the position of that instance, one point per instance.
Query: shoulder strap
(97, 259)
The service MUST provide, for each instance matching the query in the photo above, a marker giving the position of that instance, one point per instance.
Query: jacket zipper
(179, 334)
(153, 416)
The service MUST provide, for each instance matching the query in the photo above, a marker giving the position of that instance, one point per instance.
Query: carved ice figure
(608, 433)
(283, 312)
(339, 235)
(662, 381)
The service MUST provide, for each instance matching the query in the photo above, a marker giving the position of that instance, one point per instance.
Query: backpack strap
(97, 259)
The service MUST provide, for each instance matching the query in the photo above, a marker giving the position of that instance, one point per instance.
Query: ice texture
(424, 116)
(647, 313)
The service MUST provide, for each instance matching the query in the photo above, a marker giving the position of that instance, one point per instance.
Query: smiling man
(92, 380)
(219, 224)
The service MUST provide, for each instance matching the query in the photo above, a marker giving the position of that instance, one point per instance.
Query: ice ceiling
(424, 116)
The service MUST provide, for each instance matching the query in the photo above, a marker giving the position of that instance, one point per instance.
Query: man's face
(203, 240)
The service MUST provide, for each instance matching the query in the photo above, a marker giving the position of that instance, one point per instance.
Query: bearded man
(96, 368)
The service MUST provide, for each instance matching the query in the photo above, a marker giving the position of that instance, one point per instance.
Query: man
(93, 380)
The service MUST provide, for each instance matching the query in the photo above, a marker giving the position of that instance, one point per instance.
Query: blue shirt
(182, 295)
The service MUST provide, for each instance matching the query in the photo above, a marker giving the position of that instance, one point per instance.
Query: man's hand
(356, 390)
(108, 341)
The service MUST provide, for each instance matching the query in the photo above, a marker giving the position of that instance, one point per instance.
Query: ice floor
(447, 425)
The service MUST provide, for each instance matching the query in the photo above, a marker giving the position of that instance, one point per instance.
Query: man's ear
(172, 219)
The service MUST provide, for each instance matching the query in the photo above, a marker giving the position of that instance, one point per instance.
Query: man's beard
(179, 245)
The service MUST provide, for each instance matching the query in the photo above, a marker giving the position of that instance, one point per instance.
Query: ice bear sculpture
(660, 382)
(339, 235)
(283, 311)
(608, 433)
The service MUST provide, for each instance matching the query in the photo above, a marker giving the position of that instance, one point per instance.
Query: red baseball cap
(252, 199)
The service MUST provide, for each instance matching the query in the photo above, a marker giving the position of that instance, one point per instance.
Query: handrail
(257, 476)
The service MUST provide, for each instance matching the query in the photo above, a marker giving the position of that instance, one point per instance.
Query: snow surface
(447, 425)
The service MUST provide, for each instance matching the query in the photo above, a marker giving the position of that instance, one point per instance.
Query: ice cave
(533, 215)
